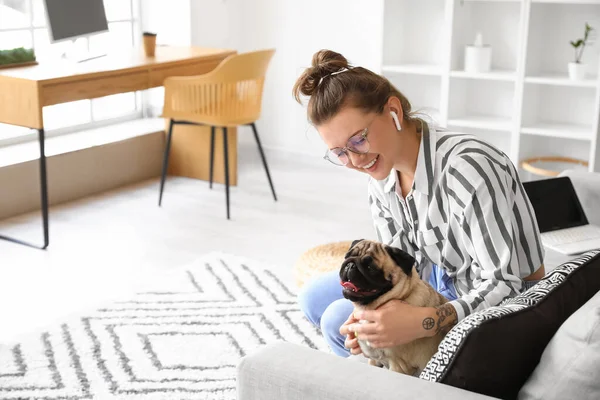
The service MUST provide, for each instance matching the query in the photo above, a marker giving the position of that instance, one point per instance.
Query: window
(23, 24)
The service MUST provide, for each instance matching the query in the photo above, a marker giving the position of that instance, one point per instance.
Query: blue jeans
(323, 304)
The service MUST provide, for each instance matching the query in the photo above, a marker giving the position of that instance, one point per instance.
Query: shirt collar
(426, 161)
(425, 164)
(390, 181)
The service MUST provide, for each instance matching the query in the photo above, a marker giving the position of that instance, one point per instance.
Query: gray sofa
(288, 371)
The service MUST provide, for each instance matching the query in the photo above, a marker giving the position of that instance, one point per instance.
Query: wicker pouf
(320, 259)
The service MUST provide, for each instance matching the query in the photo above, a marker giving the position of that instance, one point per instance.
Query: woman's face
(382, 140)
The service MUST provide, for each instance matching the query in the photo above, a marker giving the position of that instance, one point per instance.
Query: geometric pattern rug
(181, 338)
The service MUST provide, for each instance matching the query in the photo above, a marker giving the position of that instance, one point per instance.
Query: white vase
(478, 58)
(577, 71)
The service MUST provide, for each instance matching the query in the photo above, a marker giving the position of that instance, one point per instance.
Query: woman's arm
(499, 231)
(395, 323)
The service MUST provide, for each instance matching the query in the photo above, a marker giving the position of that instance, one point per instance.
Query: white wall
(169, 19)
(217, 23)
(172, 23)
(296, 29)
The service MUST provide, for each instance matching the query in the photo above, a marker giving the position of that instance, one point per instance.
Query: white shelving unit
(526, 105)
(417, 69)
(493, 75)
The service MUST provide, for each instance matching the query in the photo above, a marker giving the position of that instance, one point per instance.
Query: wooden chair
(228, 96)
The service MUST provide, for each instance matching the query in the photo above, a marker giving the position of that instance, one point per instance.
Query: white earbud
(395, 118)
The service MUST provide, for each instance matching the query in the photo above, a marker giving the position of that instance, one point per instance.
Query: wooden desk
(25, 91)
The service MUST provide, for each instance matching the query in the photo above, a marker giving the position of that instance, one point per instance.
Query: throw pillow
(568, 368)
(494, 351)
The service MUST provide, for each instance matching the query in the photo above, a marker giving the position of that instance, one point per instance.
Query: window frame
(141, 100)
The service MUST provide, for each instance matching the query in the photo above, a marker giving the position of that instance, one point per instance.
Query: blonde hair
(357, 87)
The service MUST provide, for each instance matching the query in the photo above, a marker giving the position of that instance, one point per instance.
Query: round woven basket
(320, 259)
(528, 164)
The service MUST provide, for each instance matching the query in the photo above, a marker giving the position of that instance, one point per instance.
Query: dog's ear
(402, 259)
(355, 242)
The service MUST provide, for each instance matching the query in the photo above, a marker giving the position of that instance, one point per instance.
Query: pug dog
(373, 273)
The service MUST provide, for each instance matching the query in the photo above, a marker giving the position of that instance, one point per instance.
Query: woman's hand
(392, 324)
(351, 342)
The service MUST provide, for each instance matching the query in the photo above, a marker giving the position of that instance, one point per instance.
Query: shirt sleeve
(499, 231)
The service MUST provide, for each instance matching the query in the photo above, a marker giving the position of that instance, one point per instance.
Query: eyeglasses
(358, 144)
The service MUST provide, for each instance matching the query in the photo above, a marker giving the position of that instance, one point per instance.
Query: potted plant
(16, 57)
(577, 69)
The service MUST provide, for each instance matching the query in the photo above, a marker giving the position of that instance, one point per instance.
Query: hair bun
(327, 62)
(324, 62)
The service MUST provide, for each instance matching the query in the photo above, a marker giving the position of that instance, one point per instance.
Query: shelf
(568, 131)
(482, 122)
(527, 102)
(567, 1)
(561, 80)
(492, 1)
(417, 69)
(494, 75)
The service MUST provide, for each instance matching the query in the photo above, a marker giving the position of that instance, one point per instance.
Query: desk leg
(44, 185)
(44, 196)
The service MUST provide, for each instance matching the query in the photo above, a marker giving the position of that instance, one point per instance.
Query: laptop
(563, 225)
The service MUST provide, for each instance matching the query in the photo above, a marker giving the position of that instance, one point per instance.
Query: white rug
(181, 339)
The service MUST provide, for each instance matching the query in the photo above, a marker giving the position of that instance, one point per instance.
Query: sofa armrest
(286, 371)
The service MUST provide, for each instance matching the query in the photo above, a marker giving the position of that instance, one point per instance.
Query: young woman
(451, 200)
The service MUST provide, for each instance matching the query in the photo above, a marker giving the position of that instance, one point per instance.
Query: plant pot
(19, 57)
(577, 71)
(18, 65)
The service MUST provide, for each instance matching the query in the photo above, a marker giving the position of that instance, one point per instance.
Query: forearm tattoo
(428, 323)
(446, 318)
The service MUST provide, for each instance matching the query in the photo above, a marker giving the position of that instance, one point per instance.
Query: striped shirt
(466, 212)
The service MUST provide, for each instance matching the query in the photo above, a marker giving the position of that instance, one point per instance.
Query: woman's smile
(372, 165)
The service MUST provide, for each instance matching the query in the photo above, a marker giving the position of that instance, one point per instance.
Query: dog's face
(371, 269)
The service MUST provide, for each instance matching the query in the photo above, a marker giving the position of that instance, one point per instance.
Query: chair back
(230, 95)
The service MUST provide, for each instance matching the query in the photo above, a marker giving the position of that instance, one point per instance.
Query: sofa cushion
(494, 351)
(569, 368)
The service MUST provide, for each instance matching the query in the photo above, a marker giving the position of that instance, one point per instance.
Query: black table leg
(44, 197)
(165, 166)
(226, 162)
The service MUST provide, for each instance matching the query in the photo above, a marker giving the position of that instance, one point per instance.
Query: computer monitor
(555, 203)
(71, 19)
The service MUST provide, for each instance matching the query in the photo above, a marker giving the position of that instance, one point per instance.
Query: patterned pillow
(494, 351)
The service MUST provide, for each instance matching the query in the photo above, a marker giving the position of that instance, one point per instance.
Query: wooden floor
(103, 247)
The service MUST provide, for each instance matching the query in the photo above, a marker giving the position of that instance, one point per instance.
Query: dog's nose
(350, 264)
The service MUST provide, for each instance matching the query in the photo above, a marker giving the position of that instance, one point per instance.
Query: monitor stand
(90, 56)
(79, 56)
